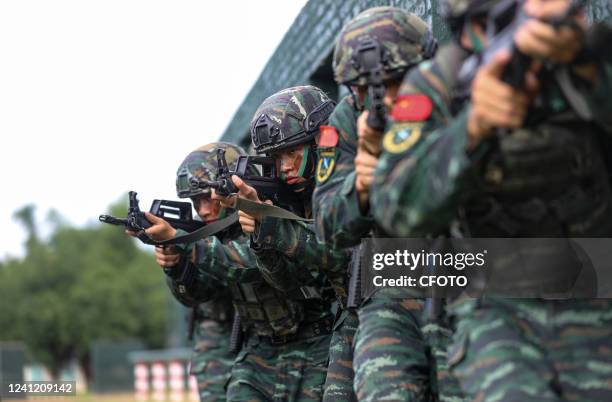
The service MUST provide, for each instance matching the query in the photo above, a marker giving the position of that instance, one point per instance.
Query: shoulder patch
(412, 107)
(401, 137)
(328, 136)
(325, 164)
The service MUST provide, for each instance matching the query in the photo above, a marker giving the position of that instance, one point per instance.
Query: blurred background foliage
(78, 286)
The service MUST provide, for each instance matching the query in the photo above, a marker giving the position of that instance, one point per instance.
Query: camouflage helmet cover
(404, 37)
(290, 117)
(201, 163)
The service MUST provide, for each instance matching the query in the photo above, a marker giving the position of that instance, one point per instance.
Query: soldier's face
(207, 209)
(289, 161)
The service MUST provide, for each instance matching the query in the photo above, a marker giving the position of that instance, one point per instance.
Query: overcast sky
(101, 97)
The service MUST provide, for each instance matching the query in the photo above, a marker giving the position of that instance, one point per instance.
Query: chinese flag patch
(414, 107)
(328, 137)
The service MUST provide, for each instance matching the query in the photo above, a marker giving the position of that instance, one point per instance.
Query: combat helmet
(290, 117)
(456, 12)
(401, 39)
(201, 164)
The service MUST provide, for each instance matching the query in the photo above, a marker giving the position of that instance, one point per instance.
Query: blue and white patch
(402, 137)
(326, 164)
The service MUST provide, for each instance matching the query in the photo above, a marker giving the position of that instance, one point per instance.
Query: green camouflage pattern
(434, 176)
(391, 357)
(293, 372)
(222, 266)
(261, 371)
(412, 193)
(503, 350)
(534, 350)
(264, 371)
(400, 366)
(218, 261)
(304, 260)
(400, 33)
(201, 163)
(340, 224)
(339, 221)
(317, 260)
(287, 111)
(340, 375)
(212, 361)
(439, 333)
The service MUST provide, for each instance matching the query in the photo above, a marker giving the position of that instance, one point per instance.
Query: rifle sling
(261, 209)
(191, 237)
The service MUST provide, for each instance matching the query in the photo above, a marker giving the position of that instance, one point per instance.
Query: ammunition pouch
(219, 309)
(547, 181)
(306, 331)
(266, 312)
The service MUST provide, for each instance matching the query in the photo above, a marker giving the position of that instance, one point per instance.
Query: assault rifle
(503, 22)
(268, 184)
(370, 59)
(177, 213)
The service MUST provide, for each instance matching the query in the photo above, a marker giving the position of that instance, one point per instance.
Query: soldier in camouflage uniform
(290, 112)
(211, 322)
(392, 357)
(441, 163)
(286, 337)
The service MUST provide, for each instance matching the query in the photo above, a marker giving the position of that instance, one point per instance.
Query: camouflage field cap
(290, 117)
(457, 11)
(403, 38)
(201, 163)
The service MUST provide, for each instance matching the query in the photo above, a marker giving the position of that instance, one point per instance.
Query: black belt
(305, 331)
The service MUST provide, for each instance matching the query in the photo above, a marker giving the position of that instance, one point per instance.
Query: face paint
(304, 163)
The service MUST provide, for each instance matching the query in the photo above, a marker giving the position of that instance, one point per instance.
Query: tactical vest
(265, 311)
(548, 181)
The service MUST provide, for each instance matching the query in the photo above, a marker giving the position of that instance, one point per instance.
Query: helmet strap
(306, 169)
(304, 163)
(358, 105)
(477, 45)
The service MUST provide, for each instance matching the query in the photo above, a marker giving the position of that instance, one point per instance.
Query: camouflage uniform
(212, 360)
(273, 363)
(211, 324)
(507, 350)
(287, 276)
(392, 358)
